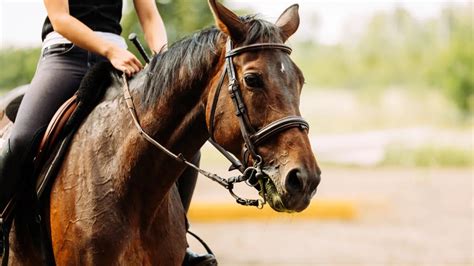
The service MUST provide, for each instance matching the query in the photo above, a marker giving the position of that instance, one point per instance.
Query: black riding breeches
(59, 72)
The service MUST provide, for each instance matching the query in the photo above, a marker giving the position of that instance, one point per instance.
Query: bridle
(252, 175)
(252, 138)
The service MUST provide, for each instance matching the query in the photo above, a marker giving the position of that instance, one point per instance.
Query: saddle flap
(55, 127)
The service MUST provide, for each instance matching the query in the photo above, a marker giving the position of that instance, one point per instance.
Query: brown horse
(115, 202)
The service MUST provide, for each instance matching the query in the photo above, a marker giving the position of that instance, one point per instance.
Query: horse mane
(184, 65)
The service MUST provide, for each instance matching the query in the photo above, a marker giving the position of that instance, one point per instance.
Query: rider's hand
(124, 60)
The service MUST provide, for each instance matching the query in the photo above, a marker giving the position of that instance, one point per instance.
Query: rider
(76, 34)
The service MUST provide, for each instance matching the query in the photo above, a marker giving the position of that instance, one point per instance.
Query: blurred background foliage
(395, 49)
(18, 66)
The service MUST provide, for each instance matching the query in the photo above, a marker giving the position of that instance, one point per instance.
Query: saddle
(64, 123)
(51, 138)
(55, 127)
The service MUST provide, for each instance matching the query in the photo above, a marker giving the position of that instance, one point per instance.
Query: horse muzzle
(291, 190)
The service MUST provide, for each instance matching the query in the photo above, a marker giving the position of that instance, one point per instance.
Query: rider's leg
(57, 77)
(9, 174)
(186, 184)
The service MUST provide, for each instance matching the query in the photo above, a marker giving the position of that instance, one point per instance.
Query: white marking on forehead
(282, 69)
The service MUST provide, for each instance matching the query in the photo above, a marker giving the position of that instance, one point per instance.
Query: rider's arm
(152, 24)
(82, 36)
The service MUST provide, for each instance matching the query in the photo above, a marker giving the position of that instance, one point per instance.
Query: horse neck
(177, 121)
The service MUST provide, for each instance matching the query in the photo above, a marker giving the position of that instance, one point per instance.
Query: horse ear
(227, 21)
(289, 21)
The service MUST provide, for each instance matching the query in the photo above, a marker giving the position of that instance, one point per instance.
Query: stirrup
(208, 249)
(211, 260)
(194, 259)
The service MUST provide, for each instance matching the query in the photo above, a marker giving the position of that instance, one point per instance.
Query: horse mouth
(271, 195)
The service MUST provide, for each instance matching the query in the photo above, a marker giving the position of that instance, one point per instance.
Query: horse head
(264, 91)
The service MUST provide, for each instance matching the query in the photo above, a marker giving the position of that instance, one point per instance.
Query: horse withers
(115, 201)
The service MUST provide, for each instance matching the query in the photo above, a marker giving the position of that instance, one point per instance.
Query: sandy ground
(406, 217)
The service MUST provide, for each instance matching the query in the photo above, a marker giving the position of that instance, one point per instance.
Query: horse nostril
(294, 181)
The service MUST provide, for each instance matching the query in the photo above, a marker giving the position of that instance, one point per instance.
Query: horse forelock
(189, 60)
(260, 31)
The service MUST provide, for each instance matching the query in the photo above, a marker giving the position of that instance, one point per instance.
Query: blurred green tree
(17, 66)
(396, 49)
(454, 70)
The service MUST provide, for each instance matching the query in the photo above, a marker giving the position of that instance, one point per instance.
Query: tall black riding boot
(9, 175)
(9, 180)
(186, 184)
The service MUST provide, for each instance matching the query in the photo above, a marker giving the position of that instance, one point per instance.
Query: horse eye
(253, 81)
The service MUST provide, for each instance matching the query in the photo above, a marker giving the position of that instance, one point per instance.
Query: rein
(226, 183)
(252, 175)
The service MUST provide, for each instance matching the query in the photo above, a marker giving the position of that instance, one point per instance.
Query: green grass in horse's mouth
(272, 196)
